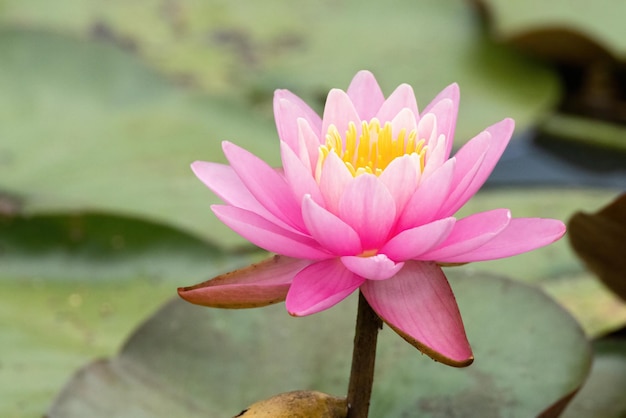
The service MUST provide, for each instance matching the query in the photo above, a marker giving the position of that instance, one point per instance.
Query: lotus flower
(366, 200)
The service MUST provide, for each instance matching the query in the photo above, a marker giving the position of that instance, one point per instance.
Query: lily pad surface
(193, 361)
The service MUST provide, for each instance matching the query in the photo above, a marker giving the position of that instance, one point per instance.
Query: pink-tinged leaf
(469, 234)
(426, 202)
(265, 184)
(499, 135)
(288, 108)
(446, 113)
(368, 207)
(260, 284)
(414, 242)
(267, 235)
(333, 179)
(419, 305)
(298, 176)
(328, 230)
(225, 183)
(401, 178)
(376, 267)
(365, 94)
(320, 286)
(402, 97)
(339, 111)
(520, 235)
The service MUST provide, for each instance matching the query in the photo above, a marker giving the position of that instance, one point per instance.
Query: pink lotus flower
(366, 200)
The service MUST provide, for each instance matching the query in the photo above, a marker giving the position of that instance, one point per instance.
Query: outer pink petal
(401, 178)
(267, 235)
(500, 134)
(411, 243)
(366, 95)
(298, 176)
(402, 97)
(257, 285)
(446, 113)
(470, 233)
(328, 230)
(418, 304)
(320, 286)
(520, 236)
(265, 184)
(368, 207)
(225, 183)
(339, 111)
(333, 180)
(426, 202)
(377, 267)
(288, 108)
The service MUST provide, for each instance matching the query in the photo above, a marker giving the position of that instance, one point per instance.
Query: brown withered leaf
(599, 239)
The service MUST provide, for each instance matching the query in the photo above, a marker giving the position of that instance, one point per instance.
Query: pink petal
(267, 235)
(401, 178)
(435, 156)
(257, 285)
(288, 108)
(339, 111)
(376, 267)
(368, 207)
(402, 97)
(298, 176)
(320, 286)
(328, 230)
(427, 130)
(333, 180)
(521, 235)
(425, 203)
(365, 94)
(265, 184)
(404, 120)
(308, 145)
(413, 242)
(225, 183)
(470, 233)
(446, 113)
(499, 135)
(418, 304)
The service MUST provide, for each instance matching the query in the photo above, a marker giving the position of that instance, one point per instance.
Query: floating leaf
(249, 49)
(192, 361)
(599, 239)
(72, 286)
(603, 393)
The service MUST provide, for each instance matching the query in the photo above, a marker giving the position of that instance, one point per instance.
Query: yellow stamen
(372, 150)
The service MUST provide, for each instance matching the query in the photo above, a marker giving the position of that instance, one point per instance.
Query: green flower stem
(363, 360)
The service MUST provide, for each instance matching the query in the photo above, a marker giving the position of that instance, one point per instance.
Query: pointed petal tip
(459, 360)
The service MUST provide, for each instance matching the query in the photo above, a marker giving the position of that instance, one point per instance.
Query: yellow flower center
(372, 150)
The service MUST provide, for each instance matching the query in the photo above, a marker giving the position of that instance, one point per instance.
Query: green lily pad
(251, 49)
(192, 361)
(98, 131)
(73, 286)
(603, 393)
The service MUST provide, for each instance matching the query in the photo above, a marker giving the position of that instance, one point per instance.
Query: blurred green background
(104, 104)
